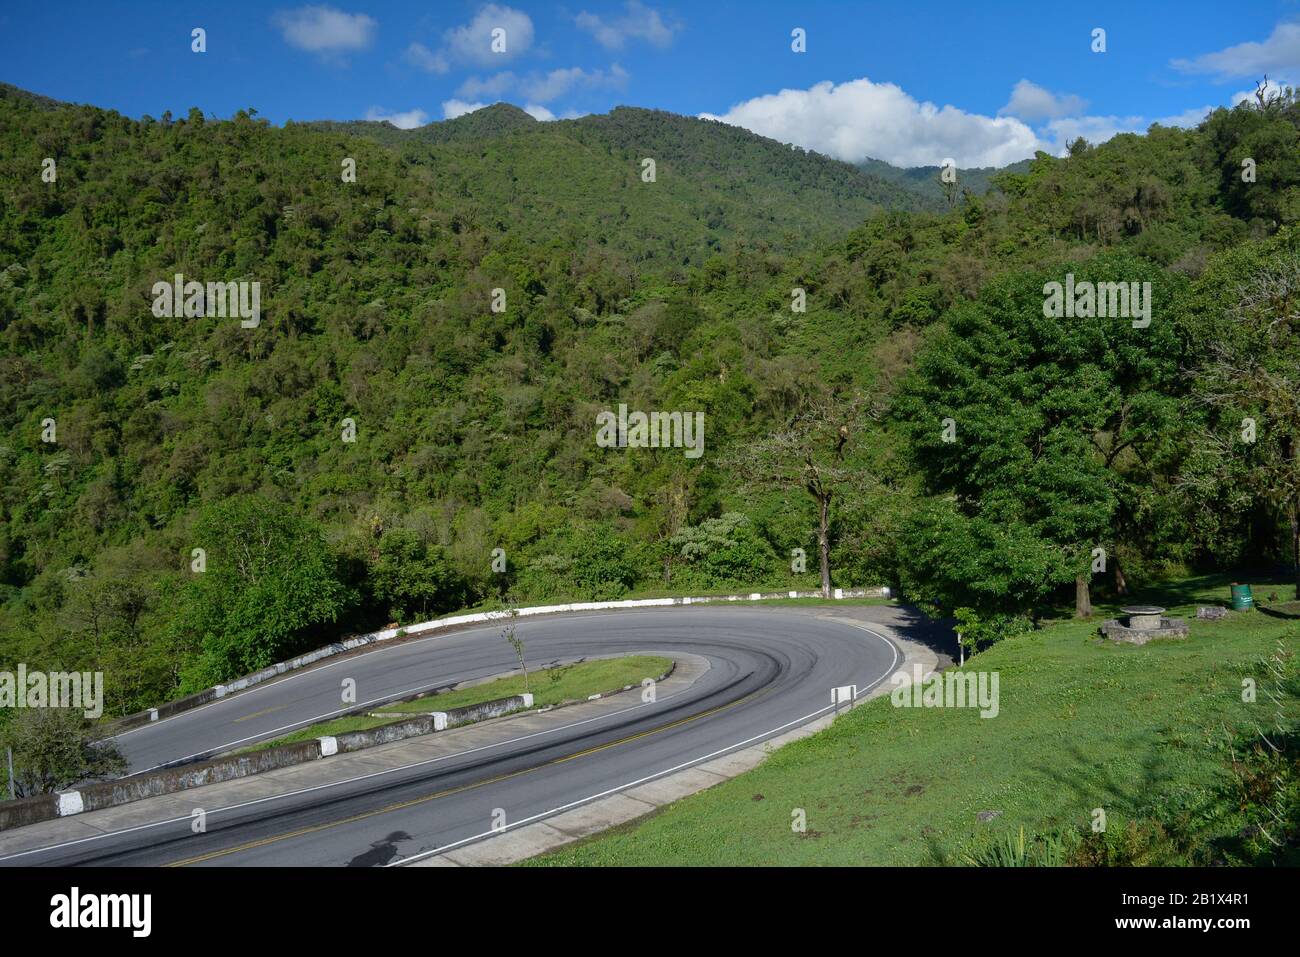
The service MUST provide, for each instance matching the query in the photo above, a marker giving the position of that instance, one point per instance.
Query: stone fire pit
(1143, 623)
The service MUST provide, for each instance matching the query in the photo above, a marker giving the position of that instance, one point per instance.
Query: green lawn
(550, 686)
(1084, 723)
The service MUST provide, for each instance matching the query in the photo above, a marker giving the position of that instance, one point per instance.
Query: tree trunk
(824, 542)
(1295, 547)
(1082, 598)
(1121, 584)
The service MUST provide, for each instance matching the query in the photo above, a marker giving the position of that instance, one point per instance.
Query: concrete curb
(429, 628)
(586, 820)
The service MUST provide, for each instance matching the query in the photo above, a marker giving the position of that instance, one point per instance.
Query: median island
(550, 688)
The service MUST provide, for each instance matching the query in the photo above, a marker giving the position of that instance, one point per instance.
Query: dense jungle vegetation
(474, 428)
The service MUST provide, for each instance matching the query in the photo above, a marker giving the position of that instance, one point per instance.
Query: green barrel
(1242, 598)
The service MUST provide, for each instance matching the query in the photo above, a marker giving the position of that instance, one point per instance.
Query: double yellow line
(464, 787)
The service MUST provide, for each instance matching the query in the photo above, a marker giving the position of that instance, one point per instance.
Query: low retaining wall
(92, 797)
(425, 723)
(43, 807)
(169, 780)
(119, 725)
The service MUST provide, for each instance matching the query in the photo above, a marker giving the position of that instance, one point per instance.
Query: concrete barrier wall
(92, 797)
(43, 807)
(170, 780)
(166, 710)
(356, 740)
(488, 709)
(426, 723)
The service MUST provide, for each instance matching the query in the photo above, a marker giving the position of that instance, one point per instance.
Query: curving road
(770, 669)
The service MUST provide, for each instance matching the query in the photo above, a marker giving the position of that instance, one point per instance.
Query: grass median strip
(549, 686)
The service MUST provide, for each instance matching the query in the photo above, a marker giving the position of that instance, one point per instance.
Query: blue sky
(911, 82)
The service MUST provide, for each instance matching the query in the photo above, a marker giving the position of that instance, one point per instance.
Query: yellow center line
(457, 790)
(258, 714)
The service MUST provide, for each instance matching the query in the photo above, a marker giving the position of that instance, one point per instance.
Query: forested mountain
(723, 183)
(924, 180)
(475, 426)
(491, 121)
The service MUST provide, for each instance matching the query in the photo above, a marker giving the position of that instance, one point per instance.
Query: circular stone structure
(1144, 622)
(1143, 617)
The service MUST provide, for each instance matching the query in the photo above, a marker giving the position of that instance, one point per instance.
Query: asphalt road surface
(770, 669)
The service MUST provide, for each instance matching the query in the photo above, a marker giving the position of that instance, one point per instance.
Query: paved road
(769, 668)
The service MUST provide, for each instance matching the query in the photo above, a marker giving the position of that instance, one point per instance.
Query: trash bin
(1242, 599)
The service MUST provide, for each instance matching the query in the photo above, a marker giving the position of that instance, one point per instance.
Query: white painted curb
(70, 803)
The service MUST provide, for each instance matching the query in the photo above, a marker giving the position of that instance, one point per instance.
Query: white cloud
(544, 87)
(497, 85)
(326, 30)
(1280, 52)
(472, 42)
(857, 119)
(639, 22)
(539, 112)
(1031, 102)
(454, 108)
(403, 121)
(421, 56)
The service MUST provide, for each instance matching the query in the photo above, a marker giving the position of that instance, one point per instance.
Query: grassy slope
(550, 686)
(1084, 723)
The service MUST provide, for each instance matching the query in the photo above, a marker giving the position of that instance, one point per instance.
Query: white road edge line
(650, 777)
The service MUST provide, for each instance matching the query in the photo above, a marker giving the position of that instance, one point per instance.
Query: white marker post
(842, 694)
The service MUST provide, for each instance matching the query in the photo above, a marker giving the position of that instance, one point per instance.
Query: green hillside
(925, 182)
(583, 177)
(475, 429)
(494, 120)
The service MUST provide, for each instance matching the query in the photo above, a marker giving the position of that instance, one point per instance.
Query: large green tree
(1247, 322)
(269, 584)
(1035, 427)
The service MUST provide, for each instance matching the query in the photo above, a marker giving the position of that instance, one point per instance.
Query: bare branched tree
(809, 453)
(1263, 97)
